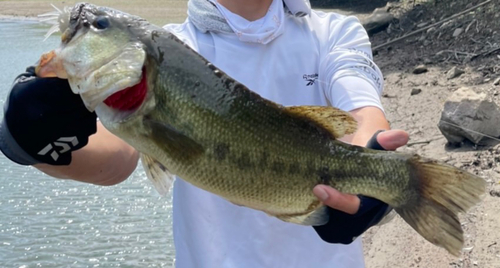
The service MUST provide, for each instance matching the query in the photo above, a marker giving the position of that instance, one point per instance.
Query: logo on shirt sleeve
(310, 79)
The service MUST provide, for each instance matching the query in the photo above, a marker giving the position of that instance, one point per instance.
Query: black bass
(190, 119)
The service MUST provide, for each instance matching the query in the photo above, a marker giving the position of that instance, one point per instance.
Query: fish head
(103, 56)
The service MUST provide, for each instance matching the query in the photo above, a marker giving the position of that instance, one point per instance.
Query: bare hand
(390, 140)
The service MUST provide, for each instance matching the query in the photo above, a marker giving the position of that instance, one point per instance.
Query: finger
(392, 139)
(337, 200)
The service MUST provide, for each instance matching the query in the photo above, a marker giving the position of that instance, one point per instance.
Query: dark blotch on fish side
(278, 167)
(294, 168)
(310, 169)
(263, 160)
(244, 162)
(172, 140)
(324, 175)
(221, 151)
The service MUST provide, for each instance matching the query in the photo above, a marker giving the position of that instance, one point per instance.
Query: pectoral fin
(338, 122)
(158, 174)
(173, 142)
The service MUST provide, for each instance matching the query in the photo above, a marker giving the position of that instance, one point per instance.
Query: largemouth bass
(190, 119)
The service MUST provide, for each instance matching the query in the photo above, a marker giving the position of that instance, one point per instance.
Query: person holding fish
(281, 50)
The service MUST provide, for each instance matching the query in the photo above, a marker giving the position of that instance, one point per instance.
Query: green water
(46, 222)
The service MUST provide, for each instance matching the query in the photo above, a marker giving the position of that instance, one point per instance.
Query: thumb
(331, 197)
(390, 140)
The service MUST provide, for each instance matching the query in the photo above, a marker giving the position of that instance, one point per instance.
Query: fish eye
(101, 23)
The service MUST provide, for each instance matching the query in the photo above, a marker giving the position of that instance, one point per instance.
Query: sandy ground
(396, 244)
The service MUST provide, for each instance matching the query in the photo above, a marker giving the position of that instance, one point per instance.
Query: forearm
(370, 120)
(105, 160)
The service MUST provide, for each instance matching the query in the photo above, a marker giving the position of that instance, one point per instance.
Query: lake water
(46, 222)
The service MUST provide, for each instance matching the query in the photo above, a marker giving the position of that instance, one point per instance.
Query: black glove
(44, 121)
(344, 228)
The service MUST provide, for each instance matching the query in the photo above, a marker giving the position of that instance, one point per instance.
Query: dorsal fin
(336, 121)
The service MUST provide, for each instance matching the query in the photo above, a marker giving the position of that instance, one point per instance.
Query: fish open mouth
(129, 98)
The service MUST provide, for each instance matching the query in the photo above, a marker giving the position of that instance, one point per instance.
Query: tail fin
(444, 191)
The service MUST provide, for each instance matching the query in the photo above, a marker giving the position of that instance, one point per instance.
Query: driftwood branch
(423, 142)
(432, 25)
(487, 52)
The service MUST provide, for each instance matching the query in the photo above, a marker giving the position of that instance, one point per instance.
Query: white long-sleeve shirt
(322, 59)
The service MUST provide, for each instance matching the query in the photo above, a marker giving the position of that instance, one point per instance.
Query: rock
(385, 95)
(496, 82)
(495, 192)
(432, 29)
(415, 91)
(468, 249)
(377, 21)
(457, 32)
(470, 116)
(454, 73)
(420, 69)
(467, 59)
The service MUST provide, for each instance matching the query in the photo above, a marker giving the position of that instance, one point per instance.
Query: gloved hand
(44, 121)
(344, 228)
